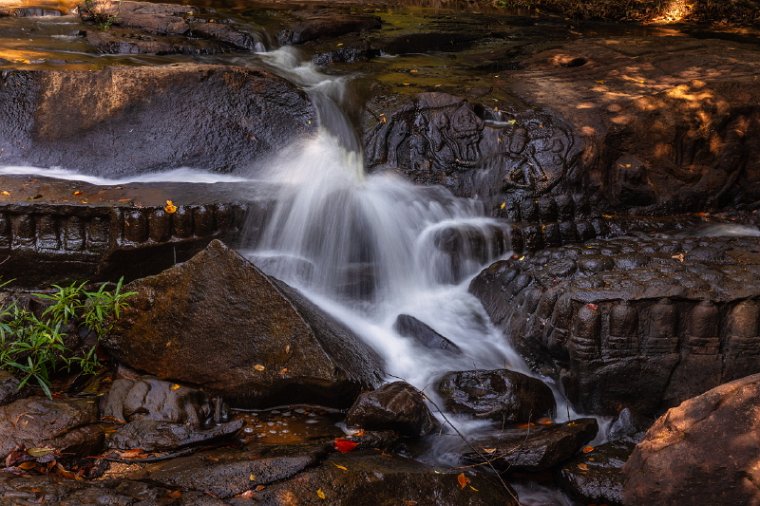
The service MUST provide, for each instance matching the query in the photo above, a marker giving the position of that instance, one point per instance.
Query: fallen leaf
(473, 488)
(410, 502)
(170, 208)
(259, 367)
(592, 306)
(342, 468)
(462, 480)
(259, 488)
(284, 371)
(587, 449)
(528, 425)
(345, 445)
(175, 387)
(287, 349)
(321, 494)
(26, 466)
(503, 205)
(6, 193)
(174, 494)
(77, 193)
(680, 257)
(545, 421)
(135, 453)
(39, 452)
(583, 467)
(248, 494)
(252, 477)
(489, 451)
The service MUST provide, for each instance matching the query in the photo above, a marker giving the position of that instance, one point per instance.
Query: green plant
(35, 347)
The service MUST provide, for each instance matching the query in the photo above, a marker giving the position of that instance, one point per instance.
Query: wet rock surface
(8, 388)
(501, 395)
(596, 474)
(409, 326)
(150, 117)
(387, 479)
(153, 436)
(703, 451)
(396, 406)
(326, 25)
(638, 323)
(534, 448)
(39, 422)
(283, 350)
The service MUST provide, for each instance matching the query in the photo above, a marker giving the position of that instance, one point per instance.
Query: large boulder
(596, 473)
(632, 322)
(502, 395)
(128, 120)
(704, 451)
(217, 321)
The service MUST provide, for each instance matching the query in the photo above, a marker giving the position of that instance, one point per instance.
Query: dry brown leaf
(587, 449)
(259, 367)
(462, 480)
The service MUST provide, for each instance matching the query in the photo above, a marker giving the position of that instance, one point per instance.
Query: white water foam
(181, 175)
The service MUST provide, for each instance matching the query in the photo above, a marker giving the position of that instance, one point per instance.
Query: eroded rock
(702, 452)
(501, 395)
(533, 449)
(8, 387)
(411, 327)
(396, 406)
(219, 322)
(151, 435)
(597, 476)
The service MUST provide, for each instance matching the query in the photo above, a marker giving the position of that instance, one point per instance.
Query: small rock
(151, 435)
(501, 394)
(597, 475)
(396, 406)
(533, 449)
(8, 387)
(154, 399)
(409, 326)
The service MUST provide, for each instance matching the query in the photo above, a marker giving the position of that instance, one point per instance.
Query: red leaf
(344, 445)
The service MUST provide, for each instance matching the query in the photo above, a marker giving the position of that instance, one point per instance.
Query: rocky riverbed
(593, 189)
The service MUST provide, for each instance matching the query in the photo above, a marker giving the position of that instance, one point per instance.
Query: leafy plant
(34, 347)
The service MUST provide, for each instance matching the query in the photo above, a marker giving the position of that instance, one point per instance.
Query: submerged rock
(535, 448)
(409, 326)
(597, 475)
(219, 322)
(397, 406)
(704, 451)
(63, 424)
(150, 435)
(502, 395)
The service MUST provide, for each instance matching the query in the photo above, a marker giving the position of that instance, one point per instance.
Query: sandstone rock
(597, 476)
(319, 26)
(533, 449)
(502, 395)
(151, 435)
(38, 422)
(153, 399)
(150, 117)
(638, 323)
(219, 322)
(411, 327)
(385, 479)
(701, 452)
(397, 406)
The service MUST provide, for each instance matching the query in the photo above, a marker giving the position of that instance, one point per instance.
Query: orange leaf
(462, 480)
(587, 449)
(321, 494)
(545, 421)
(583, 467)
(27, 465)
(175, 494)
(259, 488)
(174, 387)
(345, 445)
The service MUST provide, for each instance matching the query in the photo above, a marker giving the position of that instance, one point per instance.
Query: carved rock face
(436, 138)
(638, 323)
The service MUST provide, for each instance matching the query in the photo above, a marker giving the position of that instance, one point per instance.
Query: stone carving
(442, 139)
(643, 323)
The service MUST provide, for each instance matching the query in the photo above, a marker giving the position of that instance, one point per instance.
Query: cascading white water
(366, 248)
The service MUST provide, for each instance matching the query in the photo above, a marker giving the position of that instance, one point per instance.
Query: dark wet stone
(642, 335)
(396, 406)
(597, 476)
(533, 449)
(701, 452)
(409, 326)
(226, 474)
(157, 400)
(8, 388)
(385, 479)
(74, 115)
(334, 25)
(269, 345)
(502, 395)
(345, 55)
(150, 435)
(115, 41)
(39, 422)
